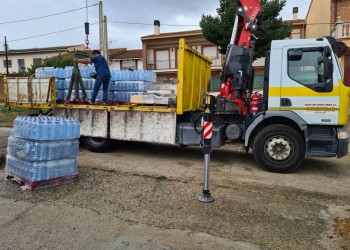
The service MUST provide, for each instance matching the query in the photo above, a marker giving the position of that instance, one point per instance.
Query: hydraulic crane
(238, 74)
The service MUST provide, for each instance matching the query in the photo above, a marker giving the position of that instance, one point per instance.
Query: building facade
(21, 59)
(160, 52)
(125, 59)
(335, 22)
(298, 25)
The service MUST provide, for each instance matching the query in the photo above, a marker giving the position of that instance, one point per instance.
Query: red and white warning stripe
(208, 130)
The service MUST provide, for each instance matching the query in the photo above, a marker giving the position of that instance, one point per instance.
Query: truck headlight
(343, 135)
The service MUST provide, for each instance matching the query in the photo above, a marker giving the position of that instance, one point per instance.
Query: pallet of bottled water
(42, 151)
(127, 83)
(43, 128)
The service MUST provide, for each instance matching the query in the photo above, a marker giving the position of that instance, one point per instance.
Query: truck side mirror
(295, 54)
(327, 68)
(327, 64)
(327, 51)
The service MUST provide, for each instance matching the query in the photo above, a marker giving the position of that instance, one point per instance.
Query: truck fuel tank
(187, 135)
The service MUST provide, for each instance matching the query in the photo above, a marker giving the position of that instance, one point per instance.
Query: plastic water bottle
(58, 84)
(24, 131)
(15, 125)
(76, 128)
(69, 128)
(40, 133)
(122, 75)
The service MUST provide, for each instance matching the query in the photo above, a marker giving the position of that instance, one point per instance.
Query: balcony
(341, 29)
(216, 63)
(171, 65)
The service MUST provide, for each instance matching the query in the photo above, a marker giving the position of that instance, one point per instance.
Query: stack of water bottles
(63, 77)
(126, 83)
(43, 149)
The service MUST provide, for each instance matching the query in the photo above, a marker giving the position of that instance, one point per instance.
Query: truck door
(305, 89)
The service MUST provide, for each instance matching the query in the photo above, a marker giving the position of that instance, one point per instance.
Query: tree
(218, 29)
(59, 61)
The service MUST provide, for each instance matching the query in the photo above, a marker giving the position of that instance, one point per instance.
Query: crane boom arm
(237, 74)
(249, 11)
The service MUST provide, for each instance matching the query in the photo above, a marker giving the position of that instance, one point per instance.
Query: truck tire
(279, 148)
(99, 145)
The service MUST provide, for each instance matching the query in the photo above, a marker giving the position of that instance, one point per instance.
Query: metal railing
(171, 64)
(216, 62)
(341, 30)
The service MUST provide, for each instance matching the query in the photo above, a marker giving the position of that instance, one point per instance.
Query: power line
(132, 23)
(35, 18)
(55, 32)
(79, 7)
(151, 24)
(196, 25)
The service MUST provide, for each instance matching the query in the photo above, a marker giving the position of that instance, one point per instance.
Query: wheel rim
(279, 149)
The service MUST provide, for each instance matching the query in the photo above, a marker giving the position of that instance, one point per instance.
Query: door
(304, 90)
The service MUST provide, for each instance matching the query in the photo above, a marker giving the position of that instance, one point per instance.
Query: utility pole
(7, 59)
(105, 38)
(101, 28)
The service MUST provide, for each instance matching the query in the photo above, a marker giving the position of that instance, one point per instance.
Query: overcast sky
(127, 20)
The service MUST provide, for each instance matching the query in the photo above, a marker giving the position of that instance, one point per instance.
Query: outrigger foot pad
(206, 197)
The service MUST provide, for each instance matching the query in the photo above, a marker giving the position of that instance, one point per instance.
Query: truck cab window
(307, 68)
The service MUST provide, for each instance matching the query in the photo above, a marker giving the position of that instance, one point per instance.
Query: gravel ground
(144, 196)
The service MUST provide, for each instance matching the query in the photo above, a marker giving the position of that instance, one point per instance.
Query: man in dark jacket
(103, 74)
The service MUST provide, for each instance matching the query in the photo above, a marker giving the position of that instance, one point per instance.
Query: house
(334, 21)
(20, 59)
(125, 59)
(298, 25)
(160, 52)
(298, 32)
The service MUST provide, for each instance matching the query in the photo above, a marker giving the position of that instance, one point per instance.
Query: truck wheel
(95, 144)
(279, 148)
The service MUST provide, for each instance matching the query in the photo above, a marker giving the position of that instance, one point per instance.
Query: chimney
(295, 13)
(156, 27)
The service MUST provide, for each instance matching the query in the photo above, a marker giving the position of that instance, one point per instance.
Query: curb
(6, 125)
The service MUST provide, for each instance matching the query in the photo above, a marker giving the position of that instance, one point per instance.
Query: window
(296, 34)
(211, 51)
(37, 61)
(128, 64)
(197, 48)
(162, 59)
(258, 81)
(9, 63)
(306, 67)
(21, 66)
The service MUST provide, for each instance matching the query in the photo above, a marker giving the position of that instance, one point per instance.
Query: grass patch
(8, 115)
(157, 178)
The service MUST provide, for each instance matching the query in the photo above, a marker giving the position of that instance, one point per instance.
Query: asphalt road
(144, 196)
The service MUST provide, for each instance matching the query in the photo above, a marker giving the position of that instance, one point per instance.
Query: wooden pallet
(35, 185)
